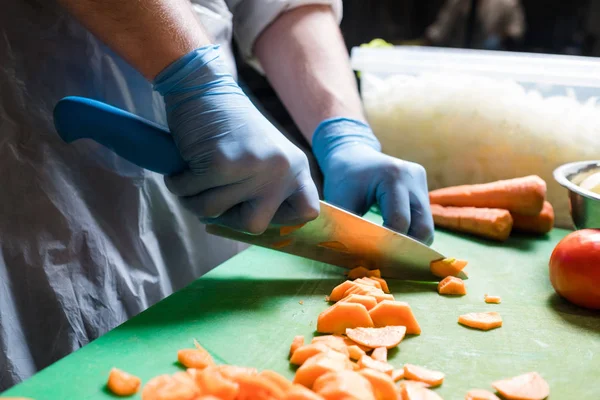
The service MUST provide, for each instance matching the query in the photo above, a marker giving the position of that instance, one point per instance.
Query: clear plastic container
(472, 116)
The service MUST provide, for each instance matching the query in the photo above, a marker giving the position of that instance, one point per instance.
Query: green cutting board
(247, 311)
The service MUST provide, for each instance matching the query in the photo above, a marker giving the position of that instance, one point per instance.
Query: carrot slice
(257, 387)
(299, 392)
(320, 364)
(231, 372)
(350, 342)
(447, 267)
(355, 352)
(483, 321)
(339, 291)
(395, 313)
(297, 342)
(417, 391)
(122, 383)
(167, 387)
(286, 230)
(388, 337)
(540, 224)
(195, 358)
(383, 385)
(277, 379)
(340, 316)
(489, 223)
(452, 285)
(380, 354)
(529, 386)
(397, 374)
(480, 394)
(358, 272)
(369, 282)
(306, 351)
(374, 273)
(334, 342)
(212, 381)
(492, 299)
(367, 362)
(348, 385)
(382, 296)
(523, 195)
(367, 301)
(334, 245)
(383, 283)
(416, 373)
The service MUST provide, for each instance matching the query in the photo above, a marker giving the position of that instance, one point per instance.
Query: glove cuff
(334, 133)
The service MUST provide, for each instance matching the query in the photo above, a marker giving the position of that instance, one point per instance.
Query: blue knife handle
(136, 139)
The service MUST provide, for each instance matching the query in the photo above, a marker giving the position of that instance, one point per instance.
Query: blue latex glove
(357, 175)
(243, 173)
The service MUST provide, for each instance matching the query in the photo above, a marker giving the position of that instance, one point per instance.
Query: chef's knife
(336, 237)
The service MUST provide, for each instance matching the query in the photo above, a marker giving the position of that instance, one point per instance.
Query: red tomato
(575, 268)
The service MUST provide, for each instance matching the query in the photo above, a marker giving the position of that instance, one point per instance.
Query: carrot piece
(299, 392)
(368, 282)
(523, 195)
(382, 296)
(286, 230)
(122, 383)
(383, 283)
(483, 321)
(358, 272)
(367, 301)
(334, 342)
(489, 223)
(297, 342)
(340, 316)
(383, 385)
(447, 267)
(388, 336)
(277, 379)
(350, 342)
(416, 373)
(452, 285)
(540, 224)
(395, 313)
(334, 245)
(306, 351)
(529, 386)
(380, 353)
(367, 362)
(355, 352)
(417, 391)
(282, 243)
(320, 364)
(374, 273)
(492, 299)
(195, 358)
(339, 291)
(231, 372)
(397, 374)
(167, 387)
(347, 385)
(480, 394)
(212, 381)
(257, 387)
(208, 397)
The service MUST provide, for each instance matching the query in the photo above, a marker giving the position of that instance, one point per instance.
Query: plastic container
(472, 116)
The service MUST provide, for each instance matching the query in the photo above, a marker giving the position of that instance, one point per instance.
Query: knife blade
(335, 237)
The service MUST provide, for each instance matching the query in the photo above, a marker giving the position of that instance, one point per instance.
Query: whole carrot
(541, 223)
(490, 223)
(523, 196)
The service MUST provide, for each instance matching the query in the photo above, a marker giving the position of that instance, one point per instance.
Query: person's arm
(149, 34)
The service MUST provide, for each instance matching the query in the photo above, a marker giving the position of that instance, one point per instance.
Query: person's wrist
(335, 134)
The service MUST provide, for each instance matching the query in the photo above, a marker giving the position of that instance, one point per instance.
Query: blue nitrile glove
(243, 173)
(357, 175)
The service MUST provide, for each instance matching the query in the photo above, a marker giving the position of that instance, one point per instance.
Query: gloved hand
(243, 173)
(357, 175)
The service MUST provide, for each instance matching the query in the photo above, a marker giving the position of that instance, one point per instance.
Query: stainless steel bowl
(584, 204)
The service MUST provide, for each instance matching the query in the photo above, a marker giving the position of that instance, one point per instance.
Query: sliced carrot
(358, 272)
(367, 362)
(416, 373)
(282, 243)
(483, 321)
(374, 273)
(167, 387)
(397, 374)
(480, 394)
(334, 245)
(382, 296)
(350, 342)
(367, 301)
(257, 387)
(340, 316)
(283, 383)
(368, 282)
(492, 299)
(395, 313)
(297, 342)
(383, 283)
(417, 391)
(383, 385)
(306, 351)
(366, 290)
(233, 371)
(195, 358)
(339, 291)
(320, 364)
(388, 336)
(355, 352)
(208, 397)
(212, 381)
(286, 230)
(529, 386)
(452, 285)
(348, 385)
(524, 195)
(122, 383)
(447, 267)
(299, 392)
(540, 224)
(489, 223)
(380, 353)
(334, 342)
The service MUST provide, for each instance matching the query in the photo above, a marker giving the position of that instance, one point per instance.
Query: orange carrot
(383, 283)
(395, 313)
(416, 373)
(492, 299)
(380, 353)
(452, 285)
(195, 358)
(397, 374)
(524, 195)
(170, 387)
(320, 364)
(339, 291)
(212, 381)
(277, 379)
(341, 316)
(305, 352)
(367, 301)
(447, 267)
(490, 223)
(386, 337)
(296, 343)
(480, 394)
(410, 390)
(258, 387)
(382, 383)
(355, 352)
(123, 384)
(344, 385)
(484, 320)
(358, 272)
(530, 386)
(299, 392)
(381, 366)
(540, 224)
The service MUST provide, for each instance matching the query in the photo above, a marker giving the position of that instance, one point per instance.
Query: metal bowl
(584, 204)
